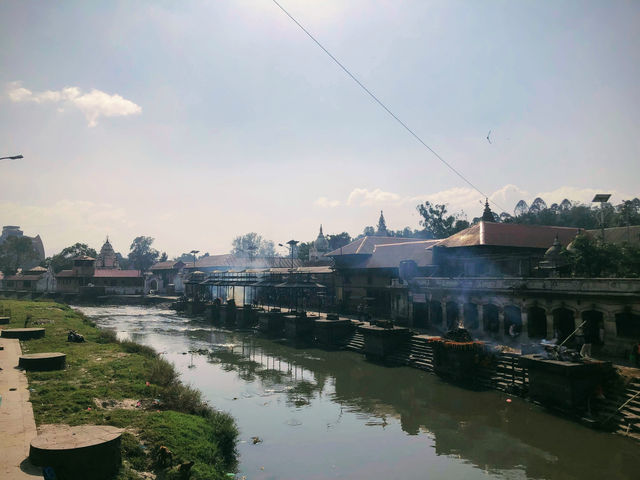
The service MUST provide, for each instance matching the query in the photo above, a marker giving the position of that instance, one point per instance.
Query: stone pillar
(610, 330)
(481, 318)
(461, 318)
(501, 323)
(550, 333)
(524, 335)
(443, 306)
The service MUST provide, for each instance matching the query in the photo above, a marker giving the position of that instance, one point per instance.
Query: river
(322, 415)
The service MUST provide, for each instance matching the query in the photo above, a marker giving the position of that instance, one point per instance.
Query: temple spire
(487, 215)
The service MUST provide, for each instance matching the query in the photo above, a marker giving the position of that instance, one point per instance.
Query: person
(585, 350)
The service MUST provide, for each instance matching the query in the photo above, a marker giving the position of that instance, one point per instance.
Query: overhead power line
(386, 109)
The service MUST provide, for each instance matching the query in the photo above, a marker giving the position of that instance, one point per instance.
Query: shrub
(162, 372)
(107, 336)
(133, 347)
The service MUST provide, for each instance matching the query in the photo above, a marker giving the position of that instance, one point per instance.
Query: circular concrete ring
(43, 361)
(23, 333)
(81, 452)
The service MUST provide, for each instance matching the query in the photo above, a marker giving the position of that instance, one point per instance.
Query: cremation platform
(298, 327)
(561, 384)
(380, 342)
(332, 332)
(271, 323)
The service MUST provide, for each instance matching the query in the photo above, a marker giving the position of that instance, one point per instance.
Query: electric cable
(379, 102)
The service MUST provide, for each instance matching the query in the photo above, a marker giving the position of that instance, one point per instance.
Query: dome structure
(321, 243)
(107, 257)
(554, 250)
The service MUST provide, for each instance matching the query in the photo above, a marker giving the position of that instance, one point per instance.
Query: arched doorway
(490, 316)
(512, 321)
(537, 323)
(594, 328)
(470, 316)
(628, 325)
(435, 314)
(453, 315)
(420, 315)
(563, 324)
(153, 285)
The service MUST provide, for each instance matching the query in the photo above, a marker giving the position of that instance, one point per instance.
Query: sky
(194, 122)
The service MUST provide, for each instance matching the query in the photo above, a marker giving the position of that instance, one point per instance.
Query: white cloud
(466, 199)
(324, 202)
(364, 197)
(94, 104)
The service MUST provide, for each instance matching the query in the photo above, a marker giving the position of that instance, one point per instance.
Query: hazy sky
(195, 121)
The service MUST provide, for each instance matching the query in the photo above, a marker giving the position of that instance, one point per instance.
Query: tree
(303, 250)
(437, 223)
(141, 255)
(252, 245)
(537, 205)
(64, 259)
(590, 258)
(338, 240)
(16, 252)
(521, 208)
(381, 231)
(164, 257)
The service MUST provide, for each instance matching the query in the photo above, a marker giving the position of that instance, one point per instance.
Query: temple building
(9, 231)
(319, 247)
(107, 259)
(100, 276)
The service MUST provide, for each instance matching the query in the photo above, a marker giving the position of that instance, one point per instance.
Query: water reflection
(327, 414)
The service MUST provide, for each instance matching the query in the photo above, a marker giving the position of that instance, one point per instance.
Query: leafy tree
(382, 226)
(123, 262)
(16, 252)
(164, 257)
(537, 205)
(338, 240)
(303, 250)
(64, 259)
(521, 208)
(141, 254)
(589, 257)
(628, 212)
(252, 245)
(438, 223)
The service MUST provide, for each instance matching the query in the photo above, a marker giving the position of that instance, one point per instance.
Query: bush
(107, 336)
(185, 399)
(163, 373)
(133, 347)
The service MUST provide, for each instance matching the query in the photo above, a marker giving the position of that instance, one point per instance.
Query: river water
(323, 415)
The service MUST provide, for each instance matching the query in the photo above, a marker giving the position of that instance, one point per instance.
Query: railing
(615, 286)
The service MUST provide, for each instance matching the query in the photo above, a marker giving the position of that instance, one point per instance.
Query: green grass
(103, 368)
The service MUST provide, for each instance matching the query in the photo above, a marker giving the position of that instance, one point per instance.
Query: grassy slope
(108, 370)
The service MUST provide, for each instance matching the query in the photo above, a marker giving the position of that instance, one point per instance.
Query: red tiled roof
(24, 277)
(366, 245)
(510, 235)
(108, 273)
(169, 265)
